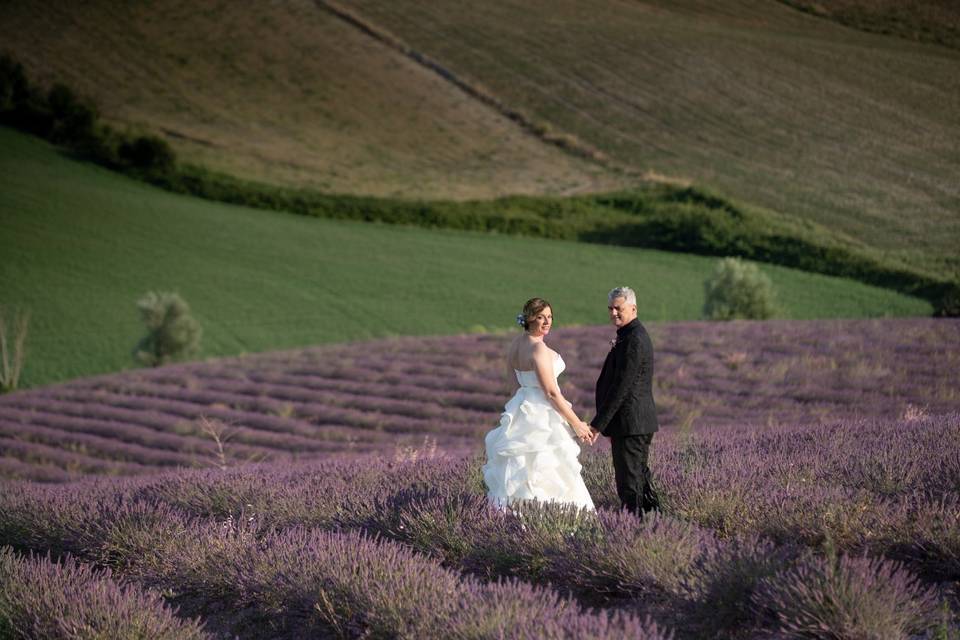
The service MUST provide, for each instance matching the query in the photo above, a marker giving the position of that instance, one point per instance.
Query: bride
(532, 455)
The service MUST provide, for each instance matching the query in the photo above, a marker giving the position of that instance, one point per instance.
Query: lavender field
(810, 476)
(847, 531)
(395, 396)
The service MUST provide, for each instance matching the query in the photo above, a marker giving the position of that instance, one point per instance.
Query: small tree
(13, 84)
(738, 289)
(148, 154)
(73, 121)
(171, 331)
(12, 355)
(948, 304)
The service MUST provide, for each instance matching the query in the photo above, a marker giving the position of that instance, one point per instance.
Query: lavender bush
(722, 583)
(630, 557)
(849, 597)
(362, 586)
(71, 601)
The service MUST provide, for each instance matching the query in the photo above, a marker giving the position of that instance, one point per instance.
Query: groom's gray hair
(623, 292)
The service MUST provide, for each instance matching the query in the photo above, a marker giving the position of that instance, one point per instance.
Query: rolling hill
(935, 21)
(81, 244)
(286, 93)
(763, 102)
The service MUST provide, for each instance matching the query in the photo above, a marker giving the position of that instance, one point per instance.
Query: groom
(625, 410)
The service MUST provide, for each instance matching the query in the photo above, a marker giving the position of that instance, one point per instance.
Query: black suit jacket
(624, 391)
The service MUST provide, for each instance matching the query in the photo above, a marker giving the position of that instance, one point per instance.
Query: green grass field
(80, 244)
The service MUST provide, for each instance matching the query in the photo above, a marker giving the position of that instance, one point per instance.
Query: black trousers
(634, 482)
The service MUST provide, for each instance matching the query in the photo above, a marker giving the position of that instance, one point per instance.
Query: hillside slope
(760, 101)
(81, 244)
(285, 93)
(765, 103)
(936, 21)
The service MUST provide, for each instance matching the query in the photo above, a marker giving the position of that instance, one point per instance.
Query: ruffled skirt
(533, 454)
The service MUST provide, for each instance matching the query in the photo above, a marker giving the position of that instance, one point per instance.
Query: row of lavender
(298, 582)
(388, 396)
(40, 598)
(850, 529)
(294, 581)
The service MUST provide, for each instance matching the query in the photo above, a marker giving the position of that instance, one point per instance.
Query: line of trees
(60, 116)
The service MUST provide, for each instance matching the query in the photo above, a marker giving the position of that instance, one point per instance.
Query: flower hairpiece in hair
(521, 319)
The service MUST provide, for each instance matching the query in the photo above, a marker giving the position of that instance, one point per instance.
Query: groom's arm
(628, 376)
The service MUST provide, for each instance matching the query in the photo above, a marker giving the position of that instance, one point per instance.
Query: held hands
(594, 435)
(585, 433)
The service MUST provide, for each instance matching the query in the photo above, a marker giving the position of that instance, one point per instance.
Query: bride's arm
(543, 365)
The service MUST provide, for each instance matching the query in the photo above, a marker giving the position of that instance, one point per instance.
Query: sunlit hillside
(285, 93)
(760, 100)
(764, 102)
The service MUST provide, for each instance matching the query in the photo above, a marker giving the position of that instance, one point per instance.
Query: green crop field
(80, 244)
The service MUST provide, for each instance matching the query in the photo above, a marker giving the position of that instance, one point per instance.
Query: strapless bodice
(528, 378)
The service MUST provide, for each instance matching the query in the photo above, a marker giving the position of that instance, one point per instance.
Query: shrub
(947, 305)
(721, 584)
(634, 556)
(65, 119)
(21, 105)
(72, 121)
(849, 597)
(446, 526)
(12, 356)
(42, 599)
(13, 83)
(172, 331)
(738, 289)
(147, 154)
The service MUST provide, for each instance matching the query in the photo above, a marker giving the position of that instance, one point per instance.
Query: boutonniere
(613, 343)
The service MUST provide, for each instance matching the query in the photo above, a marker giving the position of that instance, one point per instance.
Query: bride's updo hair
(531, 309)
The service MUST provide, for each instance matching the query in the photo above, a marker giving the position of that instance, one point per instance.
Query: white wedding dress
(532, 455)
